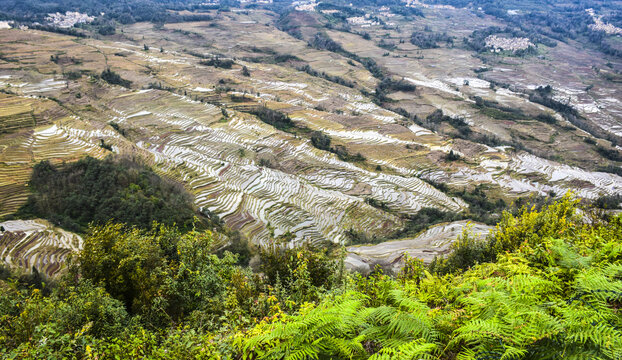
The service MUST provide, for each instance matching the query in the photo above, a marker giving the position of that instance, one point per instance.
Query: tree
(320, 140)
(113, 78)
(245, 71)
(128, 263)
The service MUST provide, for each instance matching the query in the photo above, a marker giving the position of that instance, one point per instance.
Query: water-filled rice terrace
(36, 243)
(194, 123)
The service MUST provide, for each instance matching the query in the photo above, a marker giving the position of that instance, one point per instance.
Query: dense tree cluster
(322, 41)
(275, 118)
(218, 63)
(113, 78)
(91, 190)
(425, 40)
(321, 74)
(323, 142)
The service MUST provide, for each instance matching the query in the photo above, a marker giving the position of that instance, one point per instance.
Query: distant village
(599, 25)
(68, 19)
(417, 3)
(366, 20)
(498, 43)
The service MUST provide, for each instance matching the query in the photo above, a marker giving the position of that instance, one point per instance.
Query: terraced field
(194, 122)
(38, 244)
(433, 242)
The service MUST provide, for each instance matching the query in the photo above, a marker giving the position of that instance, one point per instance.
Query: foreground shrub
(547, 284)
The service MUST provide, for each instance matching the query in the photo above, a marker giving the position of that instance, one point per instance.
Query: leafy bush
(320, 140)
(546, 282)
(332, 78)
(429, 41)
(302, 271)
(113, 78)
(557, 292)
(218, 63)
(274, 118)
(530, 226)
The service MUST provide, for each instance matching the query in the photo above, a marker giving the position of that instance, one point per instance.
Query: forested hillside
(546, 284)
(96, 191)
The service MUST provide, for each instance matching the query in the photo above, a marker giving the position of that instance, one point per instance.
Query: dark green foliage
(343, 13)
(54, 29)
(452, 156)
(609, 202)
(332, 78)
(118, 128)
(239, 246)
(426, 40)
(273, 58)
(274, 118)
(67, 310)
(106, 29)
(464, 131)
(92, 190)
(103, 145)
(158, 274)
(610, 153)
(611, 169)
(589, 140)
(546, 118)
(466, 252)
(457, 123)
(245, 71)
(497, 111)
(343, 154)
(389, 85)
(407, 11)
(387, 45)
(322, 41)
(320, 140)
(300, 269)
(130, 265)
(481, 206)
(371, 66)
(113, 78)
(73, 75)
(378, 204)
(85, 303)
(218, 63)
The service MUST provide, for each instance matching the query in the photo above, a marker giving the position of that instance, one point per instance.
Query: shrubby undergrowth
(546, 284)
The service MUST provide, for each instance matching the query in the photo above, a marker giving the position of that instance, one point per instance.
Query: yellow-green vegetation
(548, 286)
